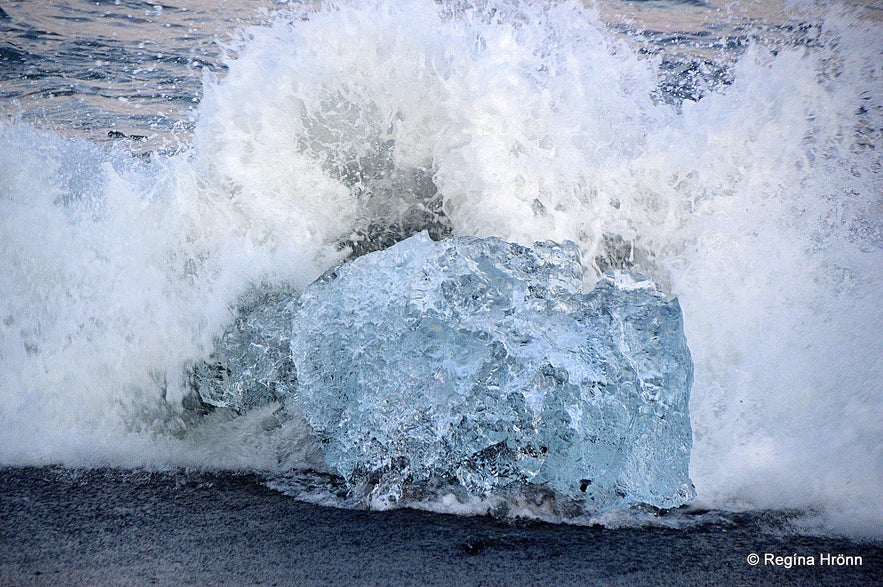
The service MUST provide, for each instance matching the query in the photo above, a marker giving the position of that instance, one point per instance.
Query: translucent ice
(251, 362)
(480, 364)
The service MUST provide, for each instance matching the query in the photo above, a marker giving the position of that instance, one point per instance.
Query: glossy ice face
(479, 364)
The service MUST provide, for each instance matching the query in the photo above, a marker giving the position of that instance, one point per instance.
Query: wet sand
(111, 527)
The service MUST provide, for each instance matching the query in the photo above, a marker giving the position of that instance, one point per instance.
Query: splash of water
(757, 205)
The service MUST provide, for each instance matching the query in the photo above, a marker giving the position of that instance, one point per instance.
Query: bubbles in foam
(116, 275)
(758, 205)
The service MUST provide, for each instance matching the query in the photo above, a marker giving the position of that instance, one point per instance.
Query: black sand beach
(114, 527)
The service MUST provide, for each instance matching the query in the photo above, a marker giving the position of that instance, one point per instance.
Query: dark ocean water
(112, 69)
(158, 160)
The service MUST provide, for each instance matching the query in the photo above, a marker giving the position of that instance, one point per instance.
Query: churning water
(732, 156)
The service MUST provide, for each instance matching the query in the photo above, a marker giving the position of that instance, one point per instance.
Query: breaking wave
(343, 130)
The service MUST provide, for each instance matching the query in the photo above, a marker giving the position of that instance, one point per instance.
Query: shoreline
(113, 527)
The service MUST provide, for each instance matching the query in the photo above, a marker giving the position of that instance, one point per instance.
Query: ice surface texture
(251, 362)
(479, 364)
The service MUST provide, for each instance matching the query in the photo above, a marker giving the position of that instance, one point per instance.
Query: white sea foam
(758, 206)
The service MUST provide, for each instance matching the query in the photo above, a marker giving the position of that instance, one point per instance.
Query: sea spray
(757, 205)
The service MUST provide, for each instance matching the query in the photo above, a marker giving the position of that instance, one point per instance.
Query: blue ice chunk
(480, 364)
(250, 364)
